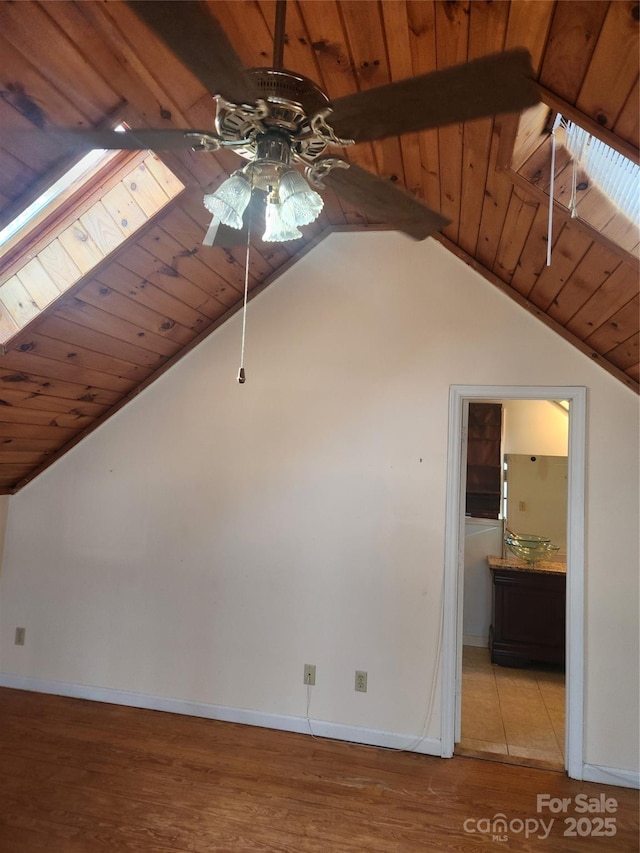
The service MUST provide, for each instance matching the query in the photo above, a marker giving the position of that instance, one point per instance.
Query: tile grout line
(553, 728)
(504, 730)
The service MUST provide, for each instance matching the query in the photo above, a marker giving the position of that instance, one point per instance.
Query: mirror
(536, 497)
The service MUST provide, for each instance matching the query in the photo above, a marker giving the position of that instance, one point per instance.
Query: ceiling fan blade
(384, 200)
(202, 46)
(81, 139)
(498, 83)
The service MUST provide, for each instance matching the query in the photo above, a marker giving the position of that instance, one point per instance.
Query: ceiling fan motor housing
(289, 102)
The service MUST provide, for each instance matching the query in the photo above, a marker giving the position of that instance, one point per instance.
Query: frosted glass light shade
(277, 229)
(300, 204)
(230, 200)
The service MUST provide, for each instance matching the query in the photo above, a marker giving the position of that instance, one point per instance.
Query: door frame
(454, 556)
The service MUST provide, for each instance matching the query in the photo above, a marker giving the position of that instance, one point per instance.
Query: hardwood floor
(84, 777)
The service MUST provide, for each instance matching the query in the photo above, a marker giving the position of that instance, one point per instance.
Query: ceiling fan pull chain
(557, 121)
(241, 374)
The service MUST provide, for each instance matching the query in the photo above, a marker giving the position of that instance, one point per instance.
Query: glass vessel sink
(528, 547)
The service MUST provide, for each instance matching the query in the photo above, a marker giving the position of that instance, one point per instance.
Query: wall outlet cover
(361, 681)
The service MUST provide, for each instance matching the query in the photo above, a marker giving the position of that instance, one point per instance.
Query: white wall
(211, 538)
(535, 426)
(4, 511)
(482, 538)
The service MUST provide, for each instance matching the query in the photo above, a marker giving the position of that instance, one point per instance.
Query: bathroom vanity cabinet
(528, 612)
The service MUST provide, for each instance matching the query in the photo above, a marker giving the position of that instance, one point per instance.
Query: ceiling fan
(279, 120)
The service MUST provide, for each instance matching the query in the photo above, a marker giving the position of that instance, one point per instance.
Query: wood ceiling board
(626, 355)
(8, 327)
(616, 292)
(14, 417)
(112, 302)
(528, 26)
(487, 30)
(86, 315)
(149, 268)
(519, 220)
(28, 27)
(532, 260)
(107, 387)
(38, 432)
(17, 303)
(57, 350)
(14, 395)
(149, 56)
(26, 148)
(573, 36)
(396, 29)
(628, 124)
(27, 89)
(620, 328)
(38, 283)
(595, 267)
(613, 70)
(567, 252)
(75, 396)
(494, 208)
(143, 291)
(368, 49)
(172, 261)
(15, 178)
(452, 41)
(422, 42)
(44, 445)
(78, 335)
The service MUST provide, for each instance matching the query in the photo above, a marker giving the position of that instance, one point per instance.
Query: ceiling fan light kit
(229, 202)
(278, 229)
(290, 201)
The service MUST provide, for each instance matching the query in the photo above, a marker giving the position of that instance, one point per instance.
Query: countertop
(544, 566)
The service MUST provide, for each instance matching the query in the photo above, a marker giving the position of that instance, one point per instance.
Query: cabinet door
(529, 615)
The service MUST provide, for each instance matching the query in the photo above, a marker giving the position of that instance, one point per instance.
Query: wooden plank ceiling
(117, 328)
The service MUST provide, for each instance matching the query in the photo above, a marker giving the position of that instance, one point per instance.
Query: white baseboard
(223, 713)
(611, 776)
(476, 641)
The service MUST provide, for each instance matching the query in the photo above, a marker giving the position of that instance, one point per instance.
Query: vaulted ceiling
(157, 294)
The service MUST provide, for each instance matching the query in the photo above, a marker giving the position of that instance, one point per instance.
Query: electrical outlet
(20, 635)
(361, 681)
(310, 673)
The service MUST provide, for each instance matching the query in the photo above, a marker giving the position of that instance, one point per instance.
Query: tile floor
(512, 712)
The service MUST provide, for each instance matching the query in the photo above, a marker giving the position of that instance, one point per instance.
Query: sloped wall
(211, 538)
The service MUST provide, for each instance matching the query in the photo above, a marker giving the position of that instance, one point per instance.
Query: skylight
(75, 173)
(74, 225)
(570, 163)
(614, 174)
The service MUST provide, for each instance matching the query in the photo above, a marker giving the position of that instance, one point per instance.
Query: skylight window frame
(66, 207)
(66, 214)
(509, 129)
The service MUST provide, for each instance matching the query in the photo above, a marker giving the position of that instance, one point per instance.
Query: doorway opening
(531, 677)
